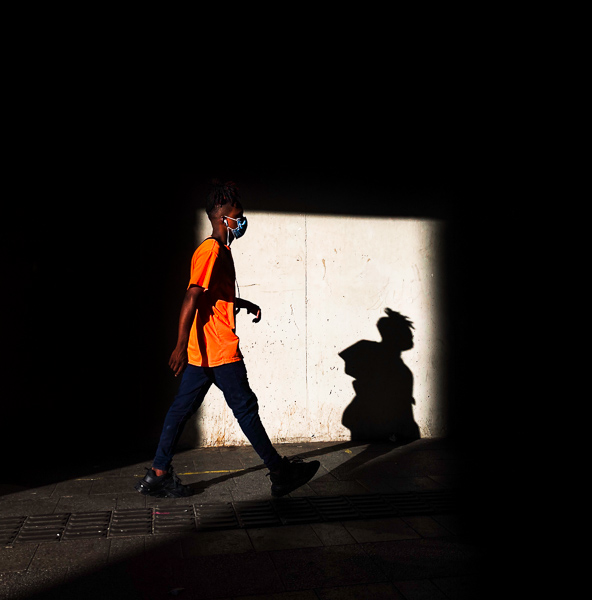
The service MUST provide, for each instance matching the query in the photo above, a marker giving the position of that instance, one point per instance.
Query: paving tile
(360, 465)
(29, 584)
(131, 500)
(16, 558)
(42, 506)
(420, 589)
(334, 460)
(408, 484)
(101, 471)
(336, 488)
(461, 588)
(163, 550)
(10, 488)
(113, 485)
(328, 566)
(29, 494)
(73, 487)
(216, 542)
(217, 462)
(380, 530)
(447, 481)
(77, 555)
(332, 534)
(126, 548)
(424, 558)
(426, 526)
(135, 469)
(281, 538)
(373, 591)
(139, 580)
(455, 524)
(153, 501)
(183, 462)
(249, 458)
(251, 486)
(75, 504)
(337, 561)
(220, 480)
(250, 494)
(302, 492)
(209, 489)
(300, 595)
(111, 582)
(236, 575)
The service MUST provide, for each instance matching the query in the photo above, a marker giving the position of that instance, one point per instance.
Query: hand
(250, 307)
(178, 360)
(253, 309)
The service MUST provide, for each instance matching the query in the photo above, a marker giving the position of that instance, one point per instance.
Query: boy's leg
(232, 380)
(286, 474)
(160, 480)
(194, 385)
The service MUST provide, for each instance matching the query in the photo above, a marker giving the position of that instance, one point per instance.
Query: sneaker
(164, 486)
(293, 473)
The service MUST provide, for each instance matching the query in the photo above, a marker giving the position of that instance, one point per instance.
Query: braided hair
(222, 194)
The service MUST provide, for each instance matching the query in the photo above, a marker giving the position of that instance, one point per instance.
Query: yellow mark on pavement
(188, 473)
(208, 472)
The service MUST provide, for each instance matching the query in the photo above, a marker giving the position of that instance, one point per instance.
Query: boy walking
(207, 352)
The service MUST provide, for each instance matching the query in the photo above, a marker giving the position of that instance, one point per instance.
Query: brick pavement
(377, 521)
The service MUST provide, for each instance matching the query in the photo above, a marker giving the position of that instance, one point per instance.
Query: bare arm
(178, 360)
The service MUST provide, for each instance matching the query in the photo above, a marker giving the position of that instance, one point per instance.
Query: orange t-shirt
(212, 340)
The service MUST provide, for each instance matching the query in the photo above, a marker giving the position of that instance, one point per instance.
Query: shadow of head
(383, 384)
(396, 330)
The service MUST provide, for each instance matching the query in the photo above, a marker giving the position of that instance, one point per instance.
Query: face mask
(239, 231)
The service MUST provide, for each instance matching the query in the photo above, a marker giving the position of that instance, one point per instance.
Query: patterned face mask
(241, 227)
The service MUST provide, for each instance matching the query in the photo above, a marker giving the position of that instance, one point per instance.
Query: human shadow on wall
(382, 409)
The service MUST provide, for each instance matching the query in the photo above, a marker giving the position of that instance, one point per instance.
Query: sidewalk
(377, 521)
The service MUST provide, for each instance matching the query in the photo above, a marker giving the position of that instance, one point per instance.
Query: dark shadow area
(383, 405)
(201, 486)
(183, 565)
(95, 271)
(382, 409)
(226, 564)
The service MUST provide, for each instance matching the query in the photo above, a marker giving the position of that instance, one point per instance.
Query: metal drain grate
(408, 503)
(9, 528)
(186, 518)
(88, 525)
(42, 528)
(211, 517)
(296, 510)
(373, 506)
(445, 501)
(334, 508)
(133, 521)
(174, 519)
(257, 514)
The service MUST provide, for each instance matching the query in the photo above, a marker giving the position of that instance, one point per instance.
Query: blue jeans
(195, 383)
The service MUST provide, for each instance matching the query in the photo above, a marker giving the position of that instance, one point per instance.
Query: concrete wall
(323, 282)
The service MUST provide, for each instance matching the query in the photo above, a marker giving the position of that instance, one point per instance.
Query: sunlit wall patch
(324, 283)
